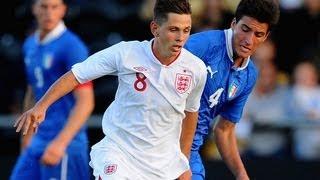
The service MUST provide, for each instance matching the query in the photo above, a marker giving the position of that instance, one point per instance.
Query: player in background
(160, 85)
(59, 148)
(231, 77)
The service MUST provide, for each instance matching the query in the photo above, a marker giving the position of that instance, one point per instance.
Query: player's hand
(31, 119)
(186, 175)
(53, 153)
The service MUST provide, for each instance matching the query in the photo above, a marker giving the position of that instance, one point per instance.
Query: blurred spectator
(265, 54)
(304, 24)
(265, 109)
(306, 111)
(306, 90)
(232, 4)
(290, 4)
(145, 14)
(214, 15)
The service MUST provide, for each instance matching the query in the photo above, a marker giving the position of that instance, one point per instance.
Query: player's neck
(43, 33)
(238, 61)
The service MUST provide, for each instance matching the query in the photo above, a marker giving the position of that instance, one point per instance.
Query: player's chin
(176, 50)
(175, 53)
(244, 54)
(48, 26)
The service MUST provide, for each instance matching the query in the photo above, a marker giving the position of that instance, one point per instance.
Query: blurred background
(279, 135)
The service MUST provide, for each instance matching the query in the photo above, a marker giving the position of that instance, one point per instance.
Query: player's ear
(266, 36)
(233, 23)
(63, 10)
(154, 27)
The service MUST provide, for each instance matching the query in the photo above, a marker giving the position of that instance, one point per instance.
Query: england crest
(110, 169)
(183, 83)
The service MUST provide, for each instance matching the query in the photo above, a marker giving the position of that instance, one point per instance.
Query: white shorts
(110, 163)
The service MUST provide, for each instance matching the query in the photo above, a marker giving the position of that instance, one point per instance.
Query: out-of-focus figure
(306, 111)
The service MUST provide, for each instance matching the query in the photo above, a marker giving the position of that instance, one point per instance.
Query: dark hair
(265, 11)
(163, 7)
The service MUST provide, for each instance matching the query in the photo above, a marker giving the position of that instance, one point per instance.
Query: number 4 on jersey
(214, 98)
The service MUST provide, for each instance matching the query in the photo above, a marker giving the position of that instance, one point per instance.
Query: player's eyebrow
(258, 33)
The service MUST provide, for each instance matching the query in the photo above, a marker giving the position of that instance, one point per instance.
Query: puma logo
(210, 71)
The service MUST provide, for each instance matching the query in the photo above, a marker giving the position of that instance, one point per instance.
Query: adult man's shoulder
(203, 43)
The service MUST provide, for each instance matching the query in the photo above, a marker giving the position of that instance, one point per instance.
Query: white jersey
(146, 116)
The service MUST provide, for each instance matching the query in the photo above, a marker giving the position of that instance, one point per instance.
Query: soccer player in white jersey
(156, 104)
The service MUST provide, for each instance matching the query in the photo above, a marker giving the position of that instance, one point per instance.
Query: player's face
(248, 34)
(305, 74)
(171, 35)
(48, 13)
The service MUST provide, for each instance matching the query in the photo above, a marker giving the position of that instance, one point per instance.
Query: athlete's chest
(44, 57)
(146, 80)
(168, 80)
(43, 65)
(224, 83)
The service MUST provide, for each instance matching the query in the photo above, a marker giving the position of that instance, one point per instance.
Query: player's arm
(225, 137)
(80, 113)
(28, 102)
(33, 117)
(189, 125)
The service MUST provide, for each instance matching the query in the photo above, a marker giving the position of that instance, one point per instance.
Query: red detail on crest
(110, 169)
(183, 82)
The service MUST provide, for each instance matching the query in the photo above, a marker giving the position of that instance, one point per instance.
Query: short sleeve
(193, 100)
(99, 64)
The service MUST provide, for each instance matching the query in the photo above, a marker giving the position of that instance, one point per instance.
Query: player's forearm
(78, 116)
(189, 125)
(227, 145)
(61, 87)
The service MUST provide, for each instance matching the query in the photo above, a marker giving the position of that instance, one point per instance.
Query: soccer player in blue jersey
(59, 148)
(231, 77)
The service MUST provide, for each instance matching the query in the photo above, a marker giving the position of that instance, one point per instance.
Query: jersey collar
(228, 34)
(54, 34)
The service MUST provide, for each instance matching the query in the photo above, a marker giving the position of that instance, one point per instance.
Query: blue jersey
(45, 62)
(227, 88)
